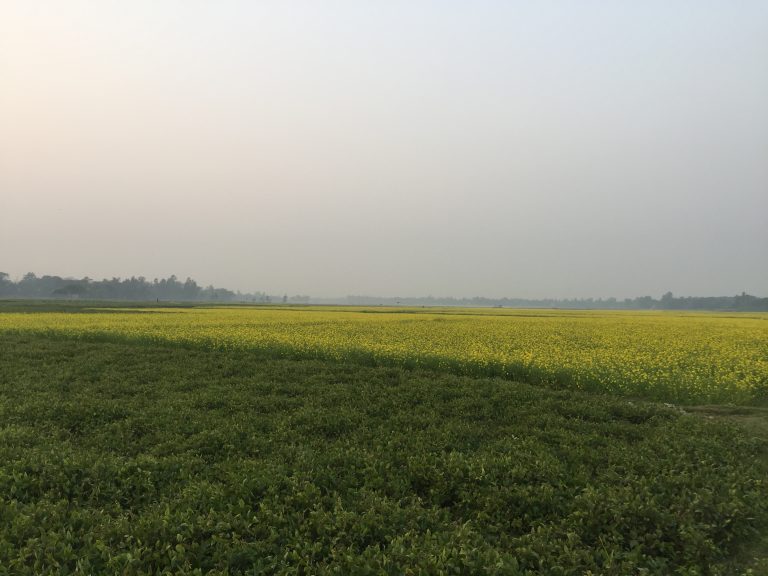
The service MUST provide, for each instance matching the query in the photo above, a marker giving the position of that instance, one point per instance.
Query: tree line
(742, 302)
(133, 288)
(172, 289)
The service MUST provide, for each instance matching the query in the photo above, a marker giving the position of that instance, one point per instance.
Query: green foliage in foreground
(127, 459)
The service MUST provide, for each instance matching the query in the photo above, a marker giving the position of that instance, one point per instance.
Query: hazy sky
(538, 148)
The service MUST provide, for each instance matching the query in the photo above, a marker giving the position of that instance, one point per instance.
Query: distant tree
(191, 290)
(70, 290)
(668, 300)
(7, 287)
(645, 302)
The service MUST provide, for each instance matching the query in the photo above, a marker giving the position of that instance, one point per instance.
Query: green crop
(125, 459)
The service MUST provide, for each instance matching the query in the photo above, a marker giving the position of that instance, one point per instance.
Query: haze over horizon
(528, 150)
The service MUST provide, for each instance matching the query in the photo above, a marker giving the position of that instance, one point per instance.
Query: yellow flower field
(679, 357)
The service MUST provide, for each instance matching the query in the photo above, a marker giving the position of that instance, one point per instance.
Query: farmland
(681, 358)
(380, 441)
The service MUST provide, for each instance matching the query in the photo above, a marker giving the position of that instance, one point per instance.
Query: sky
(394, 148)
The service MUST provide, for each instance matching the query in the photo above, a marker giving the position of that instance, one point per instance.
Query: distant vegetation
(668, 301)
(141, 289)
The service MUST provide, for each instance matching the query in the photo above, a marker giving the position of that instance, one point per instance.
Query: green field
(145, 455)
